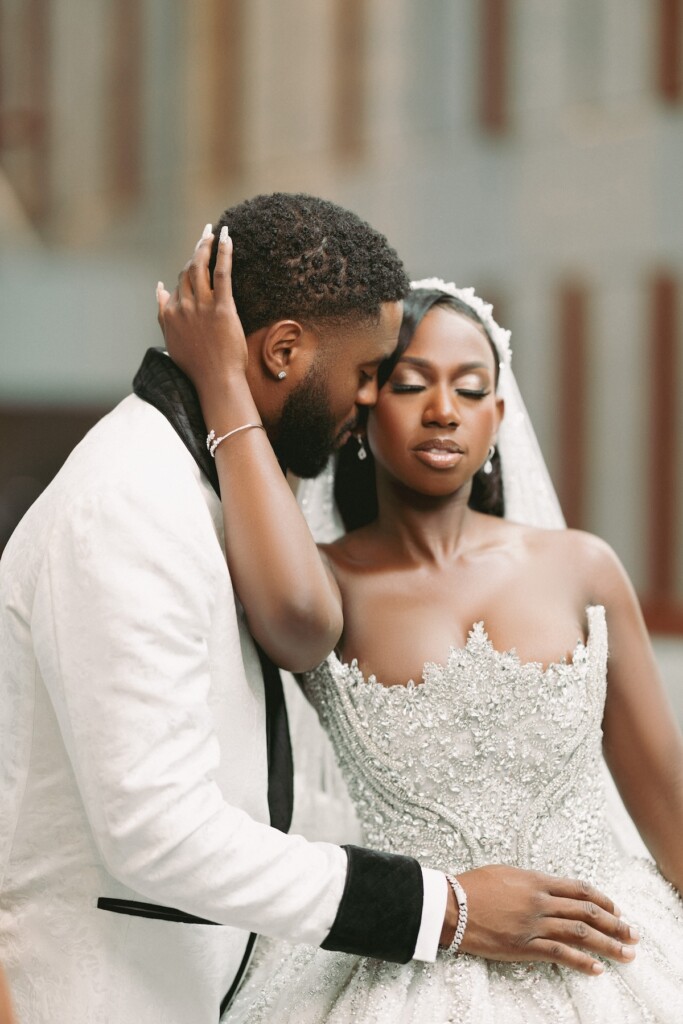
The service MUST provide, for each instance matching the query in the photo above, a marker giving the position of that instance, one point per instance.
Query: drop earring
(362, 450)
(488, 465)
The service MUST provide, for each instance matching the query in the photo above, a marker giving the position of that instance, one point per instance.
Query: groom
(146, 772)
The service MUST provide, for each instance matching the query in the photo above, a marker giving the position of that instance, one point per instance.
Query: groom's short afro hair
(302, 258)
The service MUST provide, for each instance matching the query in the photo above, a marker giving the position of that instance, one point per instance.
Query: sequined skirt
(302, 985)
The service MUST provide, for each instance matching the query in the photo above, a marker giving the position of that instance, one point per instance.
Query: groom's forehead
(367, 341)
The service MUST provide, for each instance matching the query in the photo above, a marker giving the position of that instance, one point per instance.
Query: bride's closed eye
(465, 392)
(470, 393)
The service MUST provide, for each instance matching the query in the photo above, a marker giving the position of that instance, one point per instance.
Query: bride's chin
(440, 486)
(445, 480)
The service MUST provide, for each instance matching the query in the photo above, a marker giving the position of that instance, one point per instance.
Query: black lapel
(164, 385)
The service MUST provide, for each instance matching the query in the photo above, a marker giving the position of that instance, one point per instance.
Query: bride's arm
(290, 598)
(642, 741)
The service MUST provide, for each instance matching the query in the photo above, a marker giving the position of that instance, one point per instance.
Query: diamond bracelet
(212, 441)
(461, 897)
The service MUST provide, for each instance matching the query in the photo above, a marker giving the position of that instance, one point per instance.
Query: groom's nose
(367, 392)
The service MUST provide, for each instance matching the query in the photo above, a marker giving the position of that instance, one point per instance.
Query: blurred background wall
(533, 148)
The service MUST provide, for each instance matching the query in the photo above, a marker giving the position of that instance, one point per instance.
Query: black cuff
(381, 909)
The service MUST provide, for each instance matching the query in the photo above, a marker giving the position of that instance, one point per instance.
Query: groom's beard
(307, 432)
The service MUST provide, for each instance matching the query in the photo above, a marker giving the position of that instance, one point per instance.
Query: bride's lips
(439, 452)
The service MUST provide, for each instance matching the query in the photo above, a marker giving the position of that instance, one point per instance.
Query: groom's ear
(288, 347)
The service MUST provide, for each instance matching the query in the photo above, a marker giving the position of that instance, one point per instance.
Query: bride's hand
(201, 328)
(516, 915)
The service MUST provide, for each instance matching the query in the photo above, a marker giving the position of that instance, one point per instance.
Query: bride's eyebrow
(425, 364)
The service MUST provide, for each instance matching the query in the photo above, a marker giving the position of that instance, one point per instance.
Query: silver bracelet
(212, 441)
(461, 897)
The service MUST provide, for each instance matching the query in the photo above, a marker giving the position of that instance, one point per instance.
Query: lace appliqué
(488, 760)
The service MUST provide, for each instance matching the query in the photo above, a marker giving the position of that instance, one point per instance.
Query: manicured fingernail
(160, 286)
(597, 968)
(628, 952)
(633, 933)
(617, 912)
(207, 232)
(223, 237)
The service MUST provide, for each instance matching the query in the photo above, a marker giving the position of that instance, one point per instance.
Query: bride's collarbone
(393, 643)
(398, 618)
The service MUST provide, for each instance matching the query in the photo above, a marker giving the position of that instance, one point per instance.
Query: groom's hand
(201, 328)
(516, 915)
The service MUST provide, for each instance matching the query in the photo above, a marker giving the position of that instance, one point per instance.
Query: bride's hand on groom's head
(201, 328)
(518, 915)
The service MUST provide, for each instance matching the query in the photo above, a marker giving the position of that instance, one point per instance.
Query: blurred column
(573, 397)
(350, 78)
(25, 68)
(494, 61)
(125, 100)
(664, 607)
(225, 53)
(669, 53)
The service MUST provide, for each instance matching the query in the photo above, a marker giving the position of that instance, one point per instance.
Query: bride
(469, 700)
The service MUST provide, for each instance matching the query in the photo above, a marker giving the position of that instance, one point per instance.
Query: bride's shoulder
(577, 544)
(569, 542)
(584, 555)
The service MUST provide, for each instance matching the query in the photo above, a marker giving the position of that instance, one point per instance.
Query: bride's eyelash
(465, 392)
(472, 394)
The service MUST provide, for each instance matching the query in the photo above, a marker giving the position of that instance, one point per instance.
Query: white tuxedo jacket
(132, 745)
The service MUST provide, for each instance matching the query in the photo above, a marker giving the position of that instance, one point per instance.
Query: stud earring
(282, 374)
(362, 450)
(488, 465)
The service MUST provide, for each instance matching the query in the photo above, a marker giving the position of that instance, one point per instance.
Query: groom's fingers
(588, 909)
(576, 944)
(591, 914)
(581, 935)
(222, 274)
(557, 953)
(577, 889)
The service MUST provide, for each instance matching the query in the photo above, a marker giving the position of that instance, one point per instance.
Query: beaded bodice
(488, 760)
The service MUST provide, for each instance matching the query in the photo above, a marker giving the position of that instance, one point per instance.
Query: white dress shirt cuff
(433, 913)
(329, 904)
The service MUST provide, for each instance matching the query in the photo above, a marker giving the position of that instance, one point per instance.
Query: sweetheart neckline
(477, 634)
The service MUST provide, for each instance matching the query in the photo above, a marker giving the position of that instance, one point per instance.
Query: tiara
(484, 310)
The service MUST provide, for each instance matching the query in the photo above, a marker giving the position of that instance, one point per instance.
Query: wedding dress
(487, 760)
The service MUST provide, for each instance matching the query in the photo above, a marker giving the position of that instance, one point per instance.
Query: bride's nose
(441, 407)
